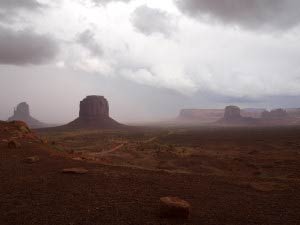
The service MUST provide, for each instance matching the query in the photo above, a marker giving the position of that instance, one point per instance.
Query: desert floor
(229, 175)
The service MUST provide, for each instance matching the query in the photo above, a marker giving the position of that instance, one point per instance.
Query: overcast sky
(149, 58)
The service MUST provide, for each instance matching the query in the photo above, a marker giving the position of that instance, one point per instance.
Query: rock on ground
(75, 171)
(32, 159)
(13, 144)
(174, 207)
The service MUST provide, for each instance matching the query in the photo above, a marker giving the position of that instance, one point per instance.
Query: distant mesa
(22, 113)
(200, 115)
(206, 116)
(232, 113)
(232, 116)
(93, 113)
(274, 114)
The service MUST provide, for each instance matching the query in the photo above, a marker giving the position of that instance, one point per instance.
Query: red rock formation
(93, 113)
(232, 116)
(22, 113)
(93, 107)
(274, 114)
(201, 115)
(213, 115)
(232, 113)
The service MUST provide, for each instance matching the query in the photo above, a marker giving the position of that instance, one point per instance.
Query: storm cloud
(149, 20)
(254, 14)
(156, 56)
(17, 4)
(9, 9)
(26, 47)
(87, 40)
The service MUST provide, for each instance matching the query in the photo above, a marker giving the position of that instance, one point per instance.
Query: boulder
(174, 207)
(13, 144)
(75, 171)
(32, 159)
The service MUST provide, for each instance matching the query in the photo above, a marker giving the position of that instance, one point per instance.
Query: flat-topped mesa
(275, 114)
(232, 113)
(93, 114)
(94, 107)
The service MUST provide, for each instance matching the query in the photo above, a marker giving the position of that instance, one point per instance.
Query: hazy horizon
(149, 58)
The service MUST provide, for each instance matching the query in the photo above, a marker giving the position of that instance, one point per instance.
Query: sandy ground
(40, 194)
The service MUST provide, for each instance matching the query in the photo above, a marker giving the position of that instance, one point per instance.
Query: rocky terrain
(22, 113)
(237, 176)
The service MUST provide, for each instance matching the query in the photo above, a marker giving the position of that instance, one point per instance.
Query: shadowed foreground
(41, 194)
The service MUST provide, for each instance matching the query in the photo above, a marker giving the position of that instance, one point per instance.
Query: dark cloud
(20, 4)
(253, 14)
(148, 21)
(9, 9)
(25, 47)
(87, 40)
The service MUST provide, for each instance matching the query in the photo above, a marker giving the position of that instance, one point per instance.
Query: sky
(149, 58)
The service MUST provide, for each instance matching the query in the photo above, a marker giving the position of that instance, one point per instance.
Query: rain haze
(148, 58)
(141, 112)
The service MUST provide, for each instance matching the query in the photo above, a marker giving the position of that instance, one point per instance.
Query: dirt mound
(16, 131)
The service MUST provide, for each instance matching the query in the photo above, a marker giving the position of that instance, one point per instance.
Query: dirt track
(40, 194)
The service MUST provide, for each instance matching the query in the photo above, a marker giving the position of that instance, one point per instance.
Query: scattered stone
(32, 159)
(75, 171)
(174, 207)
(13, 144)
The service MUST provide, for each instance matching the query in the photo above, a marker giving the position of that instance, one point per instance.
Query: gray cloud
(254, 14)
(148, 21)
(25, 47)
(9, 8)
(87, 40)
(20, 4)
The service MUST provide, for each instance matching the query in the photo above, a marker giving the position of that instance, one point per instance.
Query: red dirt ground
(39, 194)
